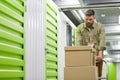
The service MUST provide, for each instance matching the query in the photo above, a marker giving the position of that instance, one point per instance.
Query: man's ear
(94, 17)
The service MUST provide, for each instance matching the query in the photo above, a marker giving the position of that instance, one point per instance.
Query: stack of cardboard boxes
(80, 63)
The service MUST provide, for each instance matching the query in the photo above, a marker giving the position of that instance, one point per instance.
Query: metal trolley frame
(106, 65)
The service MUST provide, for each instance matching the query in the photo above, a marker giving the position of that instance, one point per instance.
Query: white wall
(61, 45)
(35, 40)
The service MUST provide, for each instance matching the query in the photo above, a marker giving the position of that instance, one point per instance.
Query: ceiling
(94, 2)
(107, 16)
(103, 15)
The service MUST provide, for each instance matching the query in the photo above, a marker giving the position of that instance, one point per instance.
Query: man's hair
(89, 12)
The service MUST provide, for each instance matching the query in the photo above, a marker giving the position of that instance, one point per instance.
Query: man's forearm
(100, 56)
(100, 53)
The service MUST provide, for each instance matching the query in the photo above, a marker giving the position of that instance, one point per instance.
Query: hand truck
(107, 67)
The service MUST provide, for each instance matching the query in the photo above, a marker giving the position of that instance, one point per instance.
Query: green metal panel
(75, 37)
(12, 40)
(112, 72)
(51, 43)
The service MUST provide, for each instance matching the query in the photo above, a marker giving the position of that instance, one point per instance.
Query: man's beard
(89, 24)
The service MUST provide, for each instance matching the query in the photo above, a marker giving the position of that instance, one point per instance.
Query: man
(92, 33)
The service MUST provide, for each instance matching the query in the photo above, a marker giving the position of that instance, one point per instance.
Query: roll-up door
(12, 40)
(51, 43)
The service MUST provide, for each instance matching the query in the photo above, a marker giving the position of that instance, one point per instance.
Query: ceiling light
(81, 13)
(118, 7)
(119, 20)
(76, 14)
(103, 15)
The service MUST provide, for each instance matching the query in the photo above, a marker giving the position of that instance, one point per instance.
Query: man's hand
(100, 56)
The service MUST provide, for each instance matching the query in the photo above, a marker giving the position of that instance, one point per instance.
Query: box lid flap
(79, 48)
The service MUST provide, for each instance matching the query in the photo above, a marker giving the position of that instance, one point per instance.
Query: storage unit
(51, 43)
(12, 53)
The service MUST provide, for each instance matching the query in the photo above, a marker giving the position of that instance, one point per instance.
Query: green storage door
(112, 71)
(11, 40)
(51, 43)
(75, 30)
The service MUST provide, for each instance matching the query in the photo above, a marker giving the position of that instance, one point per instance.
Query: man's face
(89, 20)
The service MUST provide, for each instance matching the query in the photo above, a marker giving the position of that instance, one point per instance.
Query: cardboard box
(81, 73)
(79, 56)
